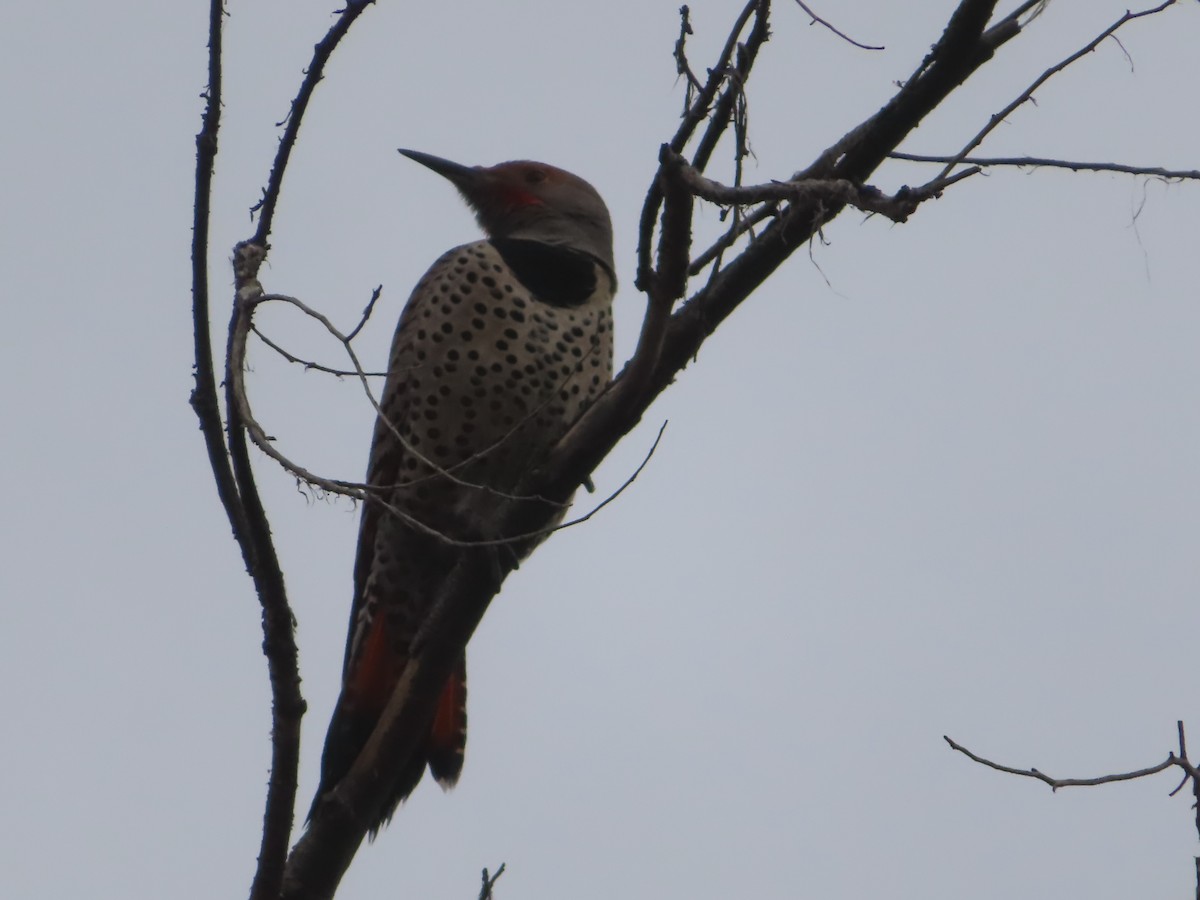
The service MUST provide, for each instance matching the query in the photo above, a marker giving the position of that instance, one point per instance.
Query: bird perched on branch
(502, 344)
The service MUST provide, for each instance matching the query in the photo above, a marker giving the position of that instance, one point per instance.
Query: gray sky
(940, 478)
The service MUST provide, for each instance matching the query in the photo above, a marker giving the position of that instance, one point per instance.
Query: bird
(502, 344)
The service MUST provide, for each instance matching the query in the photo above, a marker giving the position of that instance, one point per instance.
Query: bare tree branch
(204, 395)
(815, 191)
(1056, 783)
(725, 110)
(278, 622)
(308, 364)
(682, 66)
(240, 501)
(817, 20)
(485, 891)
(1174, 760)
(313, 74)
(692, 118)
(1039, 162)
(743, 225)
(367, 310)
(346, 340)
(1027, 94)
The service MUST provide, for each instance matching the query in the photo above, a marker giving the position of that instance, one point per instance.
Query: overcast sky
(938, 478)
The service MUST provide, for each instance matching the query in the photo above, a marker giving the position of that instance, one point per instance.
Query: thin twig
(744, 223)
(817, 20)
(349, 337)
(1183, 756)
(1036, 162)
(682, 66)
(204, 395)
(1056, 783)
(308, 363)
(313, 74)
(367, 310)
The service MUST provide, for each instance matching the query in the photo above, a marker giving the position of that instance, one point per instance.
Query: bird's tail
(448, 735)
(351, 727)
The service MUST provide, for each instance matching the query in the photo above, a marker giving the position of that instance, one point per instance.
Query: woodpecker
(501, 346)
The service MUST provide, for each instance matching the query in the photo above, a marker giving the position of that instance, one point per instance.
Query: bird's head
(531, 201)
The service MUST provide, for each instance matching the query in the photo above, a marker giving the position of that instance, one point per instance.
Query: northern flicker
(502, 344)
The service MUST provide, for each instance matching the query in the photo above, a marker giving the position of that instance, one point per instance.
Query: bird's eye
(535, 176)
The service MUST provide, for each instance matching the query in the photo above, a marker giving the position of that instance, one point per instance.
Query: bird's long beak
(462, 176)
